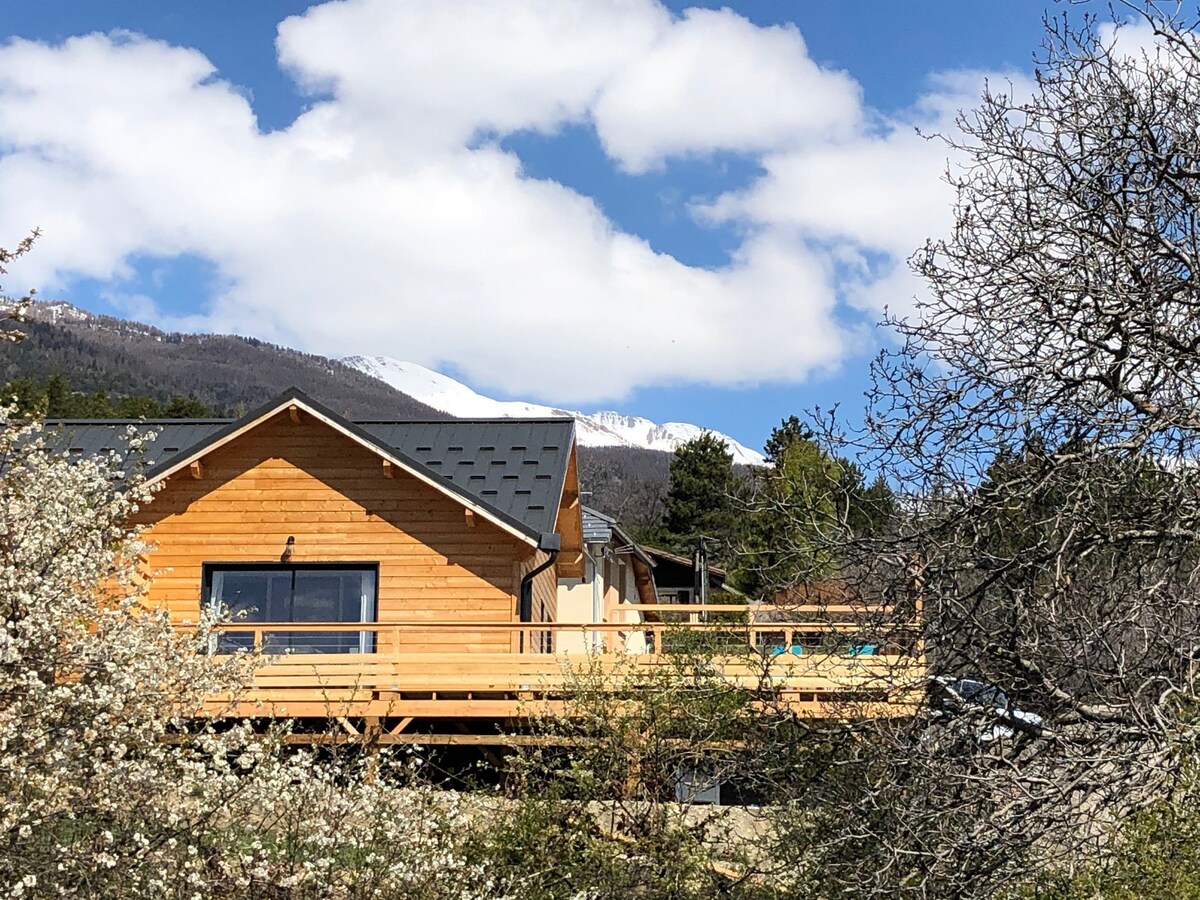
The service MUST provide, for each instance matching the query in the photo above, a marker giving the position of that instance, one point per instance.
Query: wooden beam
(294, 414)
(569, 524)
(490, 755)
(345, 723)
(389, 471)
(196, 469)
(430, 740)
(401, 725)
(470, 514)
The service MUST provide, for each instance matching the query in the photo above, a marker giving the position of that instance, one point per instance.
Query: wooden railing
(389, 636)
(812, 665)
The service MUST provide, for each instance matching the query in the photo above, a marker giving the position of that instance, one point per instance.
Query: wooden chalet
(402, 574)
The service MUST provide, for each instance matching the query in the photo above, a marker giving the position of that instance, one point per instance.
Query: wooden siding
(305, 480)
(545, 594)
(569, 524)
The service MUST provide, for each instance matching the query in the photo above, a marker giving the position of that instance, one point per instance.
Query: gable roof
(512, 471)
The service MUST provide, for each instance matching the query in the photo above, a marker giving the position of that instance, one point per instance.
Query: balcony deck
(826, 668)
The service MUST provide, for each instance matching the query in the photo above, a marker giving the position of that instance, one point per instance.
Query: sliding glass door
(273, 595)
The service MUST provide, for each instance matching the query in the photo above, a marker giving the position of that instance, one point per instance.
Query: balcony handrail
(534, 638)
(467, 625)
(754, 608)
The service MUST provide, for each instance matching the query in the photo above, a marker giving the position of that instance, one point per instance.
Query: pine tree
(788, 432)
(700, 496)
(58, 396)
(189, 407)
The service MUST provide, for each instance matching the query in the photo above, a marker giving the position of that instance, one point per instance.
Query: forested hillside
(117, 367)
(225, 373)
(627, 483)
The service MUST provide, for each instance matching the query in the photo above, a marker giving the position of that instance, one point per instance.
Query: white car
(951, 697)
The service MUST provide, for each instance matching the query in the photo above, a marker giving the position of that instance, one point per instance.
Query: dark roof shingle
(513, 467)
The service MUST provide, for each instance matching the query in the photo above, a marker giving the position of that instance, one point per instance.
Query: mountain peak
(600, 429)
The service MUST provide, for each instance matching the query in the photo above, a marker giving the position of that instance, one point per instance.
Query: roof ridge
(498, 420)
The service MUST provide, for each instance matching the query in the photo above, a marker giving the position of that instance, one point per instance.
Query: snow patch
(598, 429)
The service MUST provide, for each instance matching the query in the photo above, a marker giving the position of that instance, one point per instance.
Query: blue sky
(708, 245)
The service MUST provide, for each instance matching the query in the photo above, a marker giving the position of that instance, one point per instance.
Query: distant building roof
(715, 573)
(514, 468)
(597, 527)
(601, 529)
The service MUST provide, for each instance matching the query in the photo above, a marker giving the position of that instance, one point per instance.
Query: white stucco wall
(575, 601)
(575, 605)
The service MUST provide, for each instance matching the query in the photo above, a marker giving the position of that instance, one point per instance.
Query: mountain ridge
(604, 428)
(228, 373)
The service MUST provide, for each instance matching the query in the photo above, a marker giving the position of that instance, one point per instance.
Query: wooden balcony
(815, 666)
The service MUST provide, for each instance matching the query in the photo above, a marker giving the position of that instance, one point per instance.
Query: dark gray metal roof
(597, 527)
(517, 466)
(91, 437)
(601, 529)
(514, 468)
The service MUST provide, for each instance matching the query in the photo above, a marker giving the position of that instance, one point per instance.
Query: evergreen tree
(56, 399)
(801, 506)
(700, 496)
(791, 515)
(27, 394)
(58, 395)
(189, 407)
(788, 432)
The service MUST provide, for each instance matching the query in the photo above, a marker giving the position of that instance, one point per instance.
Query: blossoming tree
(108, 787)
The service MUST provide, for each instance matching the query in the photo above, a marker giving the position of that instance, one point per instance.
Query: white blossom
(110, 785)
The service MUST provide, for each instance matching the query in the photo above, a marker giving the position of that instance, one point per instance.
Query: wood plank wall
(308, 481)
(545, 594)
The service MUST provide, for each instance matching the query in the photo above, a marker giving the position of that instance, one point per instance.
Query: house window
(294, 593)
(674, 596)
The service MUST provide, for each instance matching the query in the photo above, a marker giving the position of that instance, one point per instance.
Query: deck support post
(371, 743)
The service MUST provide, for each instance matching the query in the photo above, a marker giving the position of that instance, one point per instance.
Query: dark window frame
(368, 641)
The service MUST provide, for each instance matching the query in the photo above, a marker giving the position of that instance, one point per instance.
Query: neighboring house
(616, 572)
(677, 580)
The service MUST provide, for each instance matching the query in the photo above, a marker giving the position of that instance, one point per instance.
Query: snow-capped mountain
(600, 429)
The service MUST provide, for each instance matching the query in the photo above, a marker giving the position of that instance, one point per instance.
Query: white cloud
(378, 223)
(871, 198)
(430, 75)
(715, 81)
